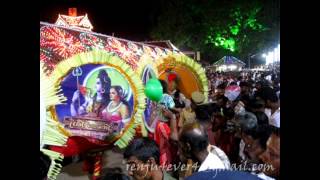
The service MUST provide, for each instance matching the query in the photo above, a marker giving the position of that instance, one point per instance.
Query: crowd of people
(230, 131)
(236, 129)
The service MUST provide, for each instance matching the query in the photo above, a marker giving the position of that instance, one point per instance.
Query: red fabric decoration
(172, 77)
(76, 145)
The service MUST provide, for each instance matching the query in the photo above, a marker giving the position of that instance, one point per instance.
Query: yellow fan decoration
(172, 59)
(51, 132)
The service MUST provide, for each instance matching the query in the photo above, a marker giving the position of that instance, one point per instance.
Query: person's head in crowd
(220, 118)
(222, 101)
(259, 85)
(177, 100)
(142, 157)
(245, 99)
(271, 156)
(220, 89)
(228, 113)
(233, 83)
(218, 114)
(245, 87)
(164, 85)
(246, 121)
(271, 98)
(261, 93)
(45, 163)
(255, 140)
(257, 105)
(249, 78)
(176, 94)
(262, 118)
(218, 121)
(275, 85)
(204, 114)
(114, 174)
(197, 98)
(193, 143)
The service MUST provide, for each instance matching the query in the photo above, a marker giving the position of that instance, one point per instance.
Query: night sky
(127, 19)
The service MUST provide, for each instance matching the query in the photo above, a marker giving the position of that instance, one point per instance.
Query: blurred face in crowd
(259, 106)
(218, 122)
(219, 92)
(245, 90)
(269, 104)
(272, 156)
(138, 169)
(252, 148)
(258, 86)
(220, 102)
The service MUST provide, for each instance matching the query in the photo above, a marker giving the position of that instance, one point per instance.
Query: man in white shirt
(274, 117)
(194, 145)
(271, 157)
(272, 108)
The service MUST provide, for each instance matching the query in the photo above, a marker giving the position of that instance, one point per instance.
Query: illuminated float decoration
(184, 73)
(102, 79)
(74, 21)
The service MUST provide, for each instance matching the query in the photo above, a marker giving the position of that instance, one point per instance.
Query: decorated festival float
(94, 86)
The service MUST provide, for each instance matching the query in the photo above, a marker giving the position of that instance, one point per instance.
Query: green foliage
(218, 28)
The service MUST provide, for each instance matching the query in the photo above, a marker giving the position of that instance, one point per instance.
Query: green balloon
(153, 90)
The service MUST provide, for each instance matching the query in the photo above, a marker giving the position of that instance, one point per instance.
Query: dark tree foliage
(217, 28)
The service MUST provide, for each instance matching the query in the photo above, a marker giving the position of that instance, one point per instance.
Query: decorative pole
(97, 166)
